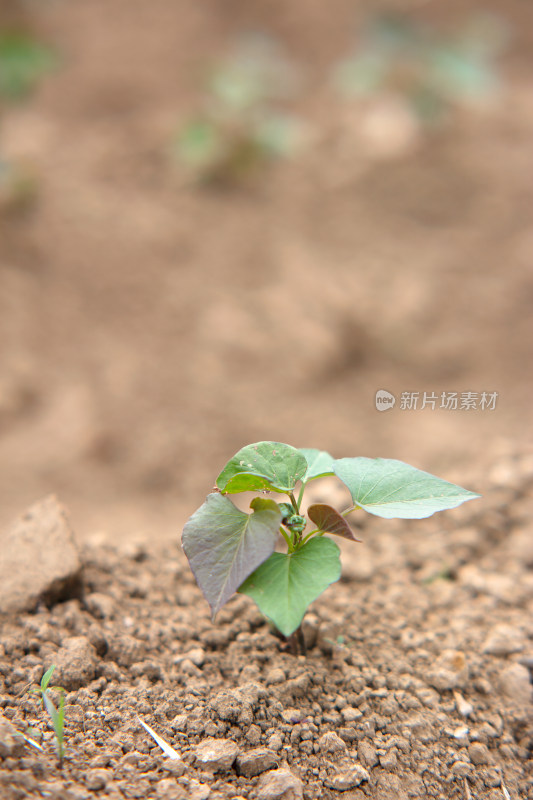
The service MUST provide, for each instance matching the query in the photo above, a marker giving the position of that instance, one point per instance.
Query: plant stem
(301, 640)
(287, 539)
(295, 505)
(293, 644)
(296, 642)
(309, 535)
(349, 510)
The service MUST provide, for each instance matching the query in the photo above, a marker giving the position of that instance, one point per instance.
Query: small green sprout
(57, 715)
(229, 550)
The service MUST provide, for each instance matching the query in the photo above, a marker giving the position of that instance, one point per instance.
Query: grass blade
(47, 677)
(52, 710)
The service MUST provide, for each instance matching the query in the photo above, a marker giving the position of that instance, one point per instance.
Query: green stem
(312, 533)
(349, 510)
(295, 505)
(287, 539)
(301, 494)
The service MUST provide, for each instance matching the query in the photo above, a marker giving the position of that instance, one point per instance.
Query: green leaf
(319, 463)
(328, 520)
(224, 545)
(264, 503)
(285, 584)
(272, 466)
(390, 488)
(54, 714)
(47, 677)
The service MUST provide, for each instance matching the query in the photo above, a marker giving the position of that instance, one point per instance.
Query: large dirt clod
(39, 558)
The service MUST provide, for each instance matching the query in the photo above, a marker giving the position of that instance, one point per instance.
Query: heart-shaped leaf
(389, 488)
(319, 463)
(224, 545)
(328, 519)
(272, 466)
(285, 584)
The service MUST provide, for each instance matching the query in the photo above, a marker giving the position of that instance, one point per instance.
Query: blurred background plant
(243, 123)
(432, 72)
(24, 61)
(18, 187)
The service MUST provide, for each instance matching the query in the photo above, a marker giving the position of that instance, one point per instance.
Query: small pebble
(330, 742)
(350, 714)
(189, 668)
(216, 754)
(367, 754)
(253, 735)
(450, 671)
(11, 741)
(515, 684)
(256, 761)
(279, 784)
(96, 779)
(479, 754)
(197, 656)
(461, 735)
(275, 742)
(388, 760)
(179, 723)
(504, 640)
(275, 676)
(347, 778)
(462, 768)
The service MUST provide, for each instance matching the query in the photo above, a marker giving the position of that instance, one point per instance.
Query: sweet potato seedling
(229, 550)
(243, 123)
(57, 715)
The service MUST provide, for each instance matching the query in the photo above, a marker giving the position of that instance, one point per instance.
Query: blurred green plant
(429, 70)
(23, 62)
(18, 187)
(242, 124)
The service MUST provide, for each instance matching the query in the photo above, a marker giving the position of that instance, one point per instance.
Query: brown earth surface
(150, 328)
(416, 683)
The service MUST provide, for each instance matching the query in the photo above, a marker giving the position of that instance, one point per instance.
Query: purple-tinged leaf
(224, 545)
(327, 519)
